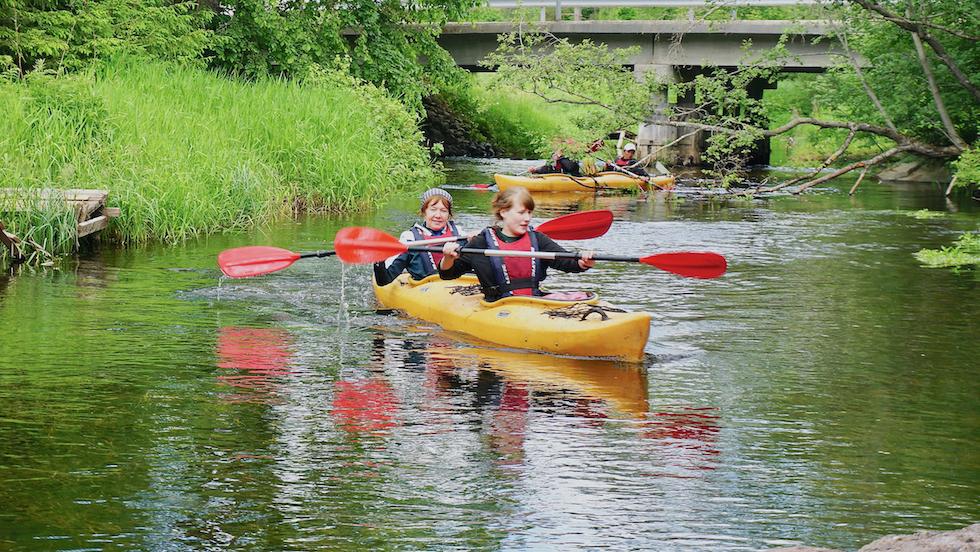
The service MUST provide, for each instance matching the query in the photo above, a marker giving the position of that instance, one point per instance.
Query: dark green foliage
(893, 71)
(390, 43)
(68, 34)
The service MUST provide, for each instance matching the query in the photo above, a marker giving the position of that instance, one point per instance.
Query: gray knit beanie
(433, 192)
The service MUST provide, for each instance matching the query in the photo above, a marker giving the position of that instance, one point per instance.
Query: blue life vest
(430, 262)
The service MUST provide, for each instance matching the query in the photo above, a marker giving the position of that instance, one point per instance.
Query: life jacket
(431, 260)
(623, 162)
(513, 275)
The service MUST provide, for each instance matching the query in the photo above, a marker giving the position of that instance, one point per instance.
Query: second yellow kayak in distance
(569, 183)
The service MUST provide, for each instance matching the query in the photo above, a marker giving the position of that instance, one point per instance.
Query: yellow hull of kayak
(519, 322)
(568, 183)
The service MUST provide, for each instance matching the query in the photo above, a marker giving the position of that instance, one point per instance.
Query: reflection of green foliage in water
(964, 251)
(926, 214)
(843, 379)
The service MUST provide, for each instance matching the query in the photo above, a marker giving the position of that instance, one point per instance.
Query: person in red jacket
(507, 276)
(628, 160)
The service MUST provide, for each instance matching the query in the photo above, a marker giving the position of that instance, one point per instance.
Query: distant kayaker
(559, 164)
(506, 276)
(627, 162)
(436, 209)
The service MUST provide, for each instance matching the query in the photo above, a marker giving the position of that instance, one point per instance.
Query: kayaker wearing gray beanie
(436, 210)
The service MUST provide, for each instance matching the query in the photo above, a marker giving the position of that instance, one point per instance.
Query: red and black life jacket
(514, 275)
(431, 260)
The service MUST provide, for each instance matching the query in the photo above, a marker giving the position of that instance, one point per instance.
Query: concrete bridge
(673, 50)
(714, 43)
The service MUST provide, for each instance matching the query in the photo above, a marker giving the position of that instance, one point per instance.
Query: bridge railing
(577, 5)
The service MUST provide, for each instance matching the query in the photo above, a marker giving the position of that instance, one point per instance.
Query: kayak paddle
(646, 179)
(363, 245)
(255, 260)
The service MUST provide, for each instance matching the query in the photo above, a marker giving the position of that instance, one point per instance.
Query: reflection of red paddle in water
(689, 435)
(367, 405)
(254, 357)
(510, 424)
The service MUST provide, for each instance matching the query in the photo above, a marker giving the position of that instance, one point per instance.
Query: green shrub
(964, 251)
(967, 167)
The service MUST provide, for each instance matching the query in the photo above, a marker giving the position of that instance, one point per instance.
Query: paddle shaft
(321, 254)
(530, 254)
(617, 168)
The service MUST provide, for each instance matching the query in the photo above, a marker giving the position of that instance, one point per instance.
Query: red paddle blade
(254, 260)
(363, 245)
(578, 226)
(694, 265)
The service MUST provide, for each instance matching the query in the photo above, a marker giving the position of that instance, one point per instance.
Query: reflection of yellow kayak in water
(578, 328)
(568, 183)
(621, 386)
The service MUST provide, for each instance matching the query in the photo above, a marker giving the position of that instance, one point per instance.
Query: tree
(916, 88)
(65, 35)
(389, 42)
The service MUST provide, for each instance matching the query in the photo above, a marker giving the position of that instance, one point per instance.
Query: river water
(824, 391)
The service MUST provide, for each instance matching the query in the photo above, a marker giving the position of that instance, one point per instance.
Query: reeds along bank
(185, 152)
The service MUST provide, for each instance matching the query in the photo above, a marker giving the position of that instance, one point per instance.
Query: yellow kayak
(521, 322)
(569, 183)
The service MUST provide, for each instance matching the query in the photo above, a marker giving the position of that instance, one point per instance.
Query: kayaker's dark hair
(436, 199)
(508, 198)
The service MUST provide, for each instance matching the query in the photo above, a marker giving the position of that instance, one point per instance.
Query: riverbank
(479, 117)
(185, 152)
(965, 539)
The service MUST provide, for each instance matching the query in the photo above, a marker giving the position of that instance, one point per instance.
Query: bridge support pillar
(653, 137)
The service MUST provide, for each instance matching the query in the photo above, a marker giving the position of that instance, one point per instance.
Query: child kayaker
(506, 276)
(436, 209)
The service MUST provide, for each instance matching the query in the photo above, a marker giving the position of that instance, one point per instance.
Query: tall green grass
(45, 228)
(518, 124)
(524, 125)
(186, 152)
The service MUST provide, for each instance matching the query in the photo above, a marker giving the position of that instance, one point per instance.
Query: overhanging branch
(918, 29)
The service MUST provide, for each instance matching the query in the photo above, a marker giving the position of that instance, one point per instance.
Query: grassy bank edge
(185, 152)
